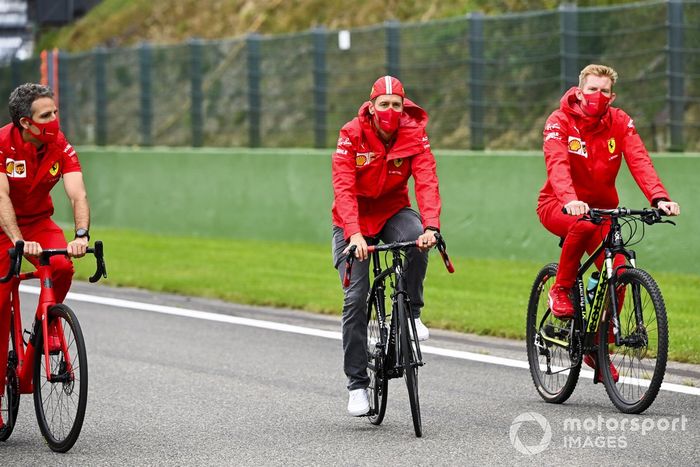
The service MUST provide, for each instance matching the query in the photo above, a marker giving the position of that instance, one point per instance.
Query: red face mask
(47, 131)
(596, 105)
(387, 120)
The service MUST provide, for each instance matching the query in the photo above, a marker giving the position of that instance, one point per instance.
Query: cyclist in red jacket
(377, 153)
(36, 156)
(585, 141)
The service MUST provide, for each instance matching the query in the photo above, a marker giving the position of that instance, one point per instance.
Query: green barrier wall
(488, 199)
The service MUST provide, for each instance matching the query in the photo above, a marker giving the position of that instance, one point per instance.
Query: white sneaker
(421, 331)
(358, 404)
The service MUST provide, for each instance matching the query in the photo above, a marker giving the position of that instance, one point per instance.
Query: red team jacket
(32, 176)
(583, 157)
(371, 185)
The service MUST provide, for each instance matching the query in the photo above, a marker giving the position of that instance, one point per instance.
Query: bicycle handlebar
(441, 246)
(17, 252)
(649, 216)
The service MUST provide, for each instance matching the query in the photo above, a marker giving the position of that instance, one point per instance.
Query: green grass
(484, 296)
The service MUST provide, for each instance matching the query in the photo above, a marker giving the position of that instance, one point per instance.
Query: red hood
(569, 104)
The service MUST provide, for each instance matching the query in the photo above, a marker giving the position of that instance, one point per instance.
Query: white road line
(208, 316)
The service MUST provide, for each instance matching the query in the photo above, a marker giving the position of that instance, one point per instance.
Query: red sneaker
(560, 302)
(590, 361)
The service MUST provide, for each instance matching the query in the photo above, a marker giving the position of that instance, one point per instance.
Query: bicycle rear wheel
(9, 405)
(378, 382)
(60, 401)
(548, 342)
(409, 361)
(640, 360)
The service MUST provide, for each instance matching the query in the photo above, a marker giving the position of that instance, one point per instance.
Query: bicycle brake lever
(348, 266)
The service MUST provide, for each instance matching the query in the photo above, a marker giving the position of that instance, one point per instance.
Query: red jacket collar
(569, 104)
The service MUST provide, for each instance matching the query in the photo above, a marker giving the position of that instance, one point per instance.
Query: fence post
(393, 47)
(63, 92)
(568, 48)
(254, 76)
(676, 101)
(15, 72)
(476, 80)
(145, 64)
(100, 97)
(319, 40)
(196, 46)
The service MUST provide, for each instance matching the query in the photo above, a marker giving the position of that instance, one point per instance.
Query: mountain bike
(51, 362)
(630, 323)
(393, 350)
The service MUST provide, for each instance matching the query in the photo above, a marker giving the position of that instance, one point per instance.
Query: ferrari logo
(398, 162)
(54, 169)
(611, 145)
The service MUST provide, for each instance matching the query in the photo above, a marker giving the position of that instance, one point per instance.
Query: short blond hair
(597, 70)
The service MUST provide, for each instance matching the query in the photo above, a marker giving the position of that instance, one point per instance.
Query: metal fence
(486, 81)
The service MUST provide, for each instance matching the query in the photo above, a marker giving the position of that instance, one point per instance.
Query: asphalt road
(177, 390)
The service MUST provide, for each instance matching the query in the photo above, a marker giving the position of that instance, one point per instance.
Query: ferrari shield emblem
(54, 169)
(398, 162)
(611, 145)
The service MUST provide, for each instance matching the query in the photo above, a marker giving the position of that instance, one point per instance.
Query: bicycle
(52, 362)
(632, 320)
(393, 351)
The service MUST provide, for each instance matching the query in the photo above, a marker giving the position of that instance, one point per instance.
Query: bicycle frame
(25, 353)
(588, 319)
(377, 297)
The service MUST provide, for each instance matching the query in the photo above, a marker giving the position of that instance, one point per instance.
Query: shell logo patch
(15, 169)
(363, 158)
(577, 146)
(398, 162)
(611, 145)
(54, 168)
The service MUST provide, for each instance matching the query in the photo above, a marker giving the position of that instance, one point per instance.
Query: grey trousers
(405, 225)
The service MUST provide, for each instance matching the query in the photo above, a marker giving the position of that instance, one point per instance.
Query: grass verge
(484, 296)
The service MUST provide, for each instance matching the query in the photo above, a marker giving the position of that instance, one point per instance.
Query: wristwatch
(82, 233)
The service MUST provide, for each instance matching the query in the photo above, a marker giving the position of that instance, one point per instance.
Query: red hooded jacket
(583, 156)
(371, 183)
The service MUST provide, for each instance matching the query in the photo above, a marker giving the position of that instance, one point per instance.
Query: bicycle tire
(59, 411)
(554, 388)
(378, 382)
(409, 362)
(641, 359)
(10, 406)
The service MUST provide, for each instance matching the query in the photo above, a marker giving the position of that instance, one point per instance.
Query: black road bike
(393, 350)
(630, 323)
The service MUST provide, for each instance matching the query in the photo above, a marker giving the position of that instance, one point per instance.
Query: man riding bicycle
(36, 154)
(584, 143)
(377, 153)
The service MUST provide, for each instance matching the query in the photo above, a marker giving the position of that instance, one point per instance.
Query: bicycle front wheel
(548, 343)
(640, 359)
(378, 382)
(409, 361)
(60, 400)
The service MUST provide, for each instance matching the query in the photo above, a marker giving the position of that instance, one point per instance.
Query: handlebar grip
(348, 266)
(101, 270)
